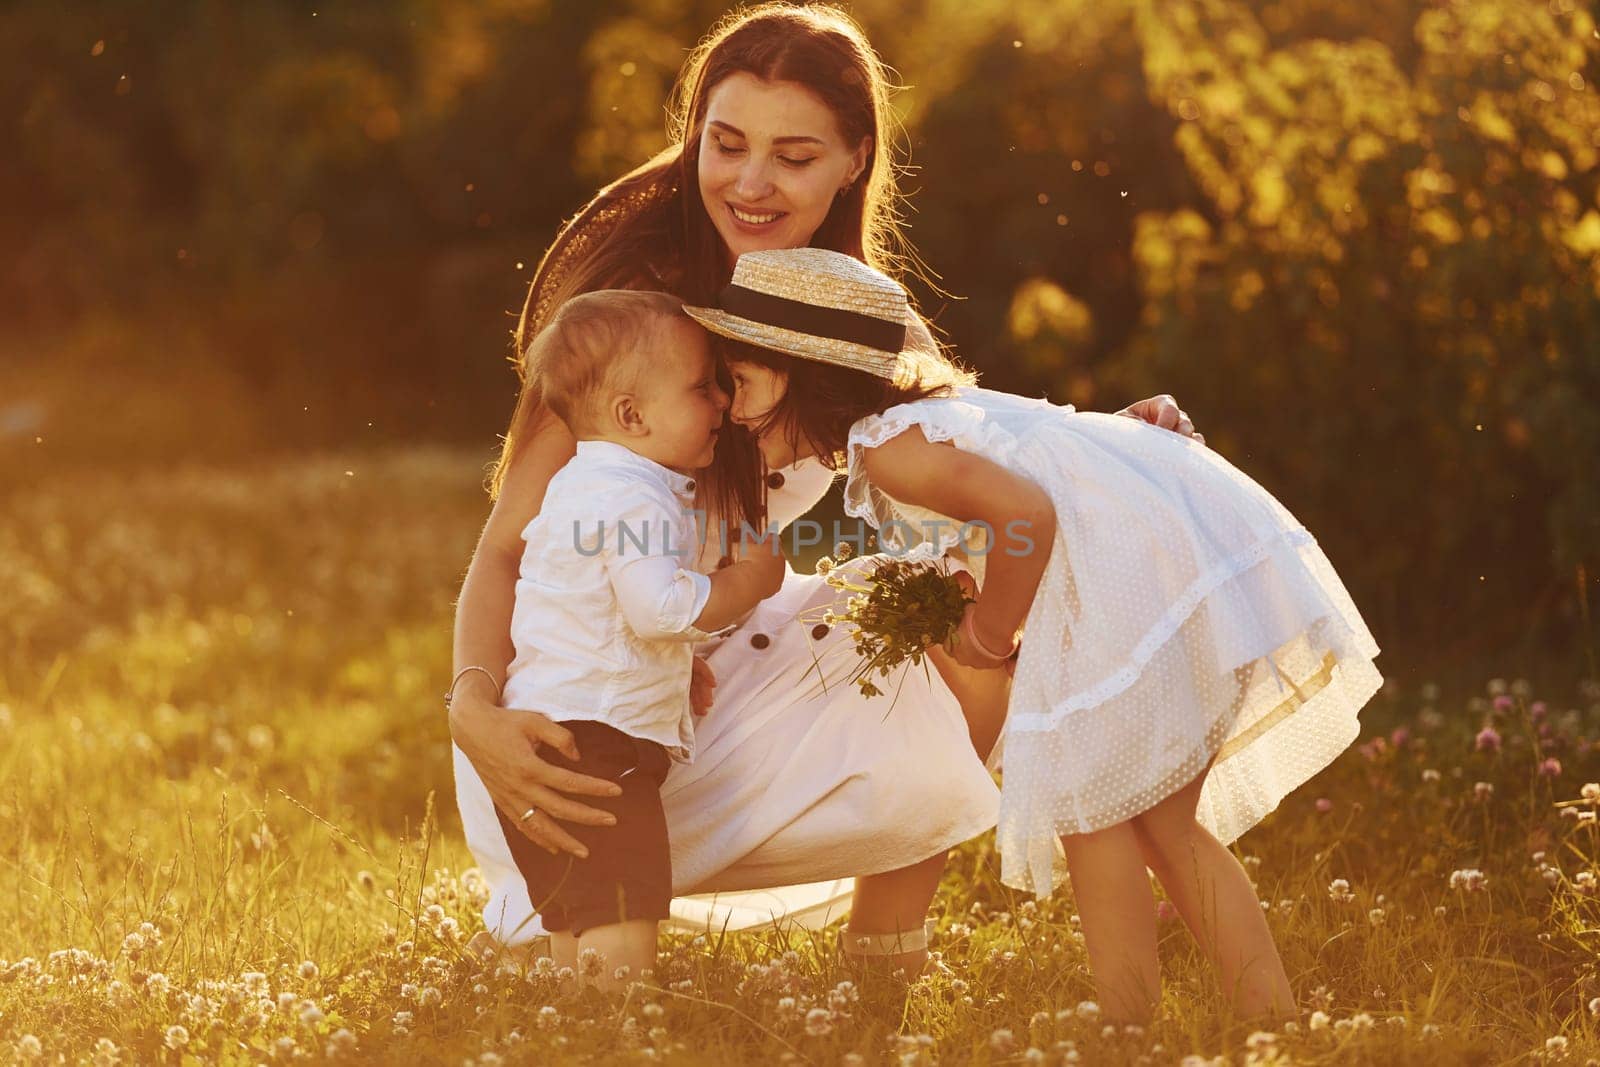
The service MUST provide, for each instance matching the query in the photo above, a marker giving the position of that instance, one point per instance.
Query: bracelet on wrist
(971, 633)
(450, 694)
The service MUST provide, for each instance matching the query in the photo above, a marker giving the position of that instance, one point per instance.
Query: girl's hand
(1163, 411)
(702, 683)
(502, 745)
(964, 646)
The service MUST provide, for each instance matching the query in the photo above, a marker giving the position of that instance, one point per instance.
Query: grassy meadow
(227, 835)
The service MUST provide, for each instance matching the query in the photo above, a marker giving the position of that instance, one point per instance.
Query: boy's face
(757, 390)
(684, 407)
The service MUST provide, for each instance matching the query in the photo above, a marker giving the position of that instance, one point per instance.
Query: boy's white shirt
(604, 618)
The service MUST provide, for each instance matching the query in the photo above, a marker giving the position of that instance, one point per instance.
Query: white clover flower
(311, 1015)
(430, 997)
(308, 970)
(548, 1018)
(591, 963)
(1470, 879)
(341, 1042)
(1088, 1009)
(1320, 1020)
(819, 1022)
(1377, 916)
(1339, 891)
(176, 1037)
(29, 1047)
(1003, 1042)
(1556, 1047)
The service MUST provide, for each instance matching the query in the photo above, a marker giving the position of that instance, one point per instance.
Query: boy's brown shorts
(628, 873)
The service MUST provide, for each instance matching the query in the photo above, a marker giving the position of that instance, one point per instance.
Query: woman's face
(772, 161)
(757, 390)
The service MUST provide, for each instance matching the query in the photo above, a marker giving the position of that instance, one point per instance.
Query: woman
(779, 140)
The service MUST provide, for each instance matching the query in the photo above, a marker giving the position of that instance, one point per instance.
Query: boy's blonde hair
(595, 347)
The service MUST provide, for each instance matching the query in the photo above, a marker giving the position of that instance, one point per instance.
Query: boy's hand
(702, 683)
(765, 556)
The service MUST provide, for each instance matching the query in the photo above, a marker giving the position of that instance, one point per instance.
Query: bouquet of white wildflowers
(897, 610)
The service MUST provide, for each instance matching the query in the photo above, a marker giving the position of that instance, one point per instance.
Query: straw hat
(816, 304)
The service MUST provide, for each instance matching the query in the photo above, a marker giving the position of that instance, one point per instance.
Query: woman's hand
(702, 684)
(503, 747)
(1163, 411)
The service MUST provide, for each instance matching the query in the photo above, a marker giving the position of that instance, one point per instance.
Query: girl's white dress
(796, 787)
(1185, 616)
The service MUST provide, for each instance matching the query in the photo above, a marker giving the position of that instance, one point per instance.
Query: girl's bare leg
(1118, 913)
(1212, 893)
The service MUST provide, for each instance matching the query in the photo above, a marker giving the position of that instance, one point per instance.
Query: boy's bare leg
(630, 944)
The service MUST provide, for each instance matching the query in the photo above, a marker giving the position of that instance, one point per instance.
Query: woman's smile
(754, 220)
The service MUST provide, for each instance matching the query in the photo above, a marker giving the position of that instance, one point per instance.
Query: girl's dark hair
(823, 400)
(650, 229)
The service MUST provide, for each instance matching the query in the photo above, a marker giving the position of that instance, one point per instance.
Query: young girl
(1191, 656)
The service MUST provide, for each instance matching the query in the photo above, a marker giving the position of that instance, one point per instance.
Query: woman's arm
(502, 744)
(969, 488)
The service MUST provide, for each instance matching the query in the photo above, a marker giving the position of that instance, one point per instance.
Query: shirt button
(689, 485)
(819, 631)
(775, 480)
(760, 640)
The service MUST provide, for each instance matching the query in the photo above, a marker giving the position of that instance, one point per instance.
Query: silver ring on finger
(525, 816)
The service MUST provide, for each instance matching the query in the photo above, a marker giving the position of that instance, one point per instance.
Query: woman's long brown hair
(650, 229)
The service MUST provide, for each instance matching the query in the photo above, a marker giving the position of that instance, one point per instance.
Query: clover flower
(897, 611)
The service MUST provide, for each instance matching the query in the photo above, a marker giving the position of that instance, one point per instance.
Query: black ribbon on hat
(801, 317)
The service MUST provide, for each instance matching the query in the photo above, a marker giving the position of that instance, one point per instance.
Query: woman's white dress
(797, 786)
(1185, 616)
